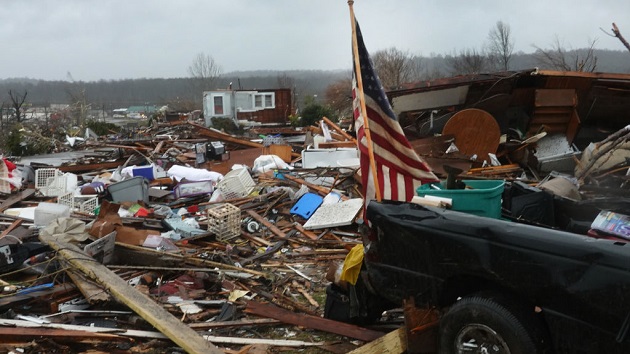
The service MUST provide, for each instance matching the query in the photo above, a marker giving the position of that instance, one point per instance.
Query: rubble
(227, 243)
(196, 250)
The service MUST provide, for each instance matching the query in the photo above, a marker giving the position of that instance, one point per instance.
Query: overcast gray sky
(118, 39)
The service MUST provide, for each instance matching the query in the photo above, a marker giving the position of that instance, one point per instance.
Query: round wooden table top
(476, 132)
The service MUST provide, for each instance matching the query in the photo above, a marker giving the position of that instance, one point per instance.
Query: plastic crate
(224, 220)
(87, 204)
(273, 140)
(42, 176)
(66, 199)
(84, 204)
(236, 184)
(55, 186)
(481, 197)
(50, 182)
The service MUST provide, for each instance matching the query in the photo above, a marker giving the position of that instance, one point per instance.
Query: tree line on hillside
(316, 93)
(128, 92)
(331, 88)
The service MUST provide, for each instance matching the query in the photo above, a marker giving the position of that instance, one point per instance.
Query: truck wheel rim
(479, 338)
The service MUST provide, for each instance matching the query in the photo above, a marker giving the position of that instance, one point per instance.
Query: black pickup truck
(501, 286)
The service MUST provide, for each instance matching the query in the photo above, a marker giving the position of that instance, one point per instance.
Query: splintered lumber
(191, 260)
(213, 134)
(319, 189)
(309, 321)
(21, 335)
(121, 332)
(14, 199)
(304, 232)
(143, 305)
(336, 128)
(274, 342)
(25, 330)
(318, 130)
(494, 170)
(236, 323)
(91, 291)
(337, 144)
(273, 228)
(394, 342)
(13, 225)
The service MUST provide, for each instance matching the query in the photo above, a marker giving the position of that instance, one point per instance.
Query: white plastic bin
(45, 213)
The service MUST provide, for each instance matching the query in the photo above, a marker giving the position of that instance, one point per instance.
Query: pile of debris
(185, 238)
(164, 252)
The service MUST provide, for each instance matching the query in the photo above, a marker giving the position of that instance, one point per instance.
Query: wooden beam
(273, 228)
(91, 291)
(319, 189)
(337, 144)
(309, 234)
(202, 326)
(394, 342)
(336, 128)
(21, 335)
(143, 305)
(212, 134)
(91, 167)
(318, 130)
(11, 227)
(159, 146)
(309, 321)
(92, 329)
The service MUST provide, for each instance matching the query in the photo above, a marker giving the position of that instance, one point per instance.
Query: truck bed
(437, 255)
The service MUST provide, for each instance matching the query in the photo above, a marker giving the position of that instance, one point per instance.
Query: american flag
(399, 169)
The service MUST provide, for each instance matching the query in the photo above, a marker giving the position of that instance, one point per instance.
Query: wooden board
(16, 198)
(476, 132)
(137, 301)
(315, 322)
(394, 342)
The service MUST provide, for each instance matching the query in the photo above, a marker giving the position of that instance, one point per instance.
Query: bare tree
(78, 101)
(17, 101)
(395, 67)
(79, 105)
(2, 124)
(204, 70)
(285, 81)
(500, 45)
(617, 33)
(339, 97)
(468, 61)
(558, 58)
(417, 68)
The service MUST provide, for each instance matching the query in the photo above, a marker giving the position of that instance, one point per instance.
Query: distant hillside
(110, 94)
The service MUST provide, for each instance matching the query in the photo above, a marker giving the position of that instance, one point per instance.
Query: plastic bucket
(481, 197)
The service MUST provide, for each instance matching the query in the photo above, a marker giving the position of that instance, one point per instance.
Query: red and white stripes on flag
(399, 169)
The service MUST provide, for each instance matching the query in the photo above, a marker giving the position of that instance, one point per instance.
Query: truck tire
(480, 324)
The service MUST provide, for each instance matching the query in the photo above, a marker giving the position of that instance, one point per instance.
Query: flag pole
(366, 125)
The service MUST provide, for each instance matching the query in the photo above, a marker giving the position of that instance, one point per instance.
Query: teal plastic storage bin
(481, 197)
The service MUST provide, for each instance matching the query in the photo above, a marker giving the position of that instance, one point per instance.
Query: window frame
(263, 96)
